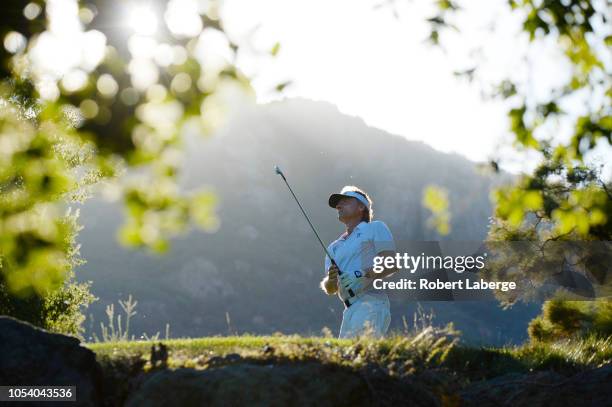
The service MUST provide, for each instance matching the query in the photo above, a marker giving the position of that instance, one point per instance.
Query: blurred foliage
(87, 90)
(579, 30)
(559, 203)
(554, 223)
(436, 200)
(439, 22)
(564, 199)
(561, 318)
(56, 305)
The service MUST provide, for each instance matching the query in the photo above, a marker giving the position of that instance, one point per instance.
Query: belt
(350, 301)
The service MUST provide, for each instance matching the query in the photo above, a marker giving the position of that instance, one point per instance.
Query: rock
(217, 361)
(232, 358)
(34, 357)
(253, 385)
(159, 355)
(276, 384)
(588, 388)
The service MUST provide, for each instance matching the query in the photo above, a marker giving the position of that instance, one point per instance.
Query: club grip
(350, 291)
(336, 264)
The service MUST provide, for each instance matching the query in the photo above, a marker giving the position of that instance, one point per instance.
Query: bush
(56, 308)
(57, 311)
(562, 319)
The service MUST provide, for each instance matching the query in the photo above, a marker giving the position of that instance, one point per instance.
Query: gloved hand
(332, 272)
(353, 282)
(344, 282)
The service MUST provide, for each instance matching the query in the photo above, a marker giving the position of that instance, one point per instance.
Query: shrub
(56, 310)
(562, 319)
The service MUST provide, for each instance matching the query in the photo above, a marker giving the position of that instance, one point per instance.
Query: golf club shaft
(309, 222)
(349, 290)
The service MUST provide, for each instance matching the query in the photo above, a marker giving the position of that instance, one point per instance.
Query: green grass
(215, 344)
(404, 354)
(569, 355)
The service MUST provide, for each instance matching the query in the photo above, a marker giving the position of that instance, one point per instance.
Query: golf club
(279, 172)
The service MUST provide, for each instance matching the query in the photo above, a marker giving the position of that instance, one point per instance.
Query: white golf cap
(348, 191)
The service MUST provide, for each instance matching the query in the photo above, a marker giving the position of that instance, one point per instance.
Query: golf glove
(347, 281)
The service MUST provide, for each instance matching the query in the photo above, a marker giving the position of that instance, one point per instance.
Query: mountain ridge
(264, 261)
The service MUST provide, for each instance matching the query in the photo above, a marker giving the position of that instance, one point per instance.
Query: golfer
(367, 310)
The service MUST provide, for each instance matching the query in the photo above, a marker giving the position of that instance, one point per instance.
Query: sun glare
(142, 20)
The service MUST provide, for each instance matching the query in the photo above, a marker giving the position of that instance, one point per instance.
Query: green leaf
(436, 200)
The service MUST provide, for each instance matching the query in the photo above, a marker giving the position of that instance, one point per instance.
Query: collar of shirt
(345, 236)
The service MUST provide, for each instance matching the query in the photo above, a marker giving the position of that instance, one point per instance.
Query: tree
(83, 96)
(579, 30)
(543, 248)
(563, 209)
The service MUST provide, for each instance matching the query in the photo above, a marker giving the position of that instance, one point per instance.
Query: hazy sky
(370, 59)
(372, 65)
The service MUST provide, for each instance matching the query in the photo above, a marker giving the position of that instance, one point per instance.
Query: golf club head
(278, 170)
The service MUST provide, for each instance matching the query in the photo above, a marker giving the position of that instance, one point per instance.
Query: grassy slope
(424, 367)
(480, 362)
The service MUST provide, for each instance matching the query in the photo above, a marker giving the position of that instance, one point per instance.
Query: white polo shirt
(355, 252)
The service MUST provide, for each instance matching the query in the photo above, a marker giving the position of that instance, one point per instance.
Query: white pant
(367, 316)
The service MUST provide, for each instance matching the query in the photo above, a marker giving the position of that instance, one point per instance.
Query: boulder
(295, 384)
(31, 356)
(588, 388)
